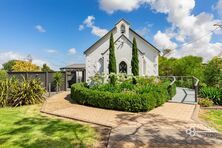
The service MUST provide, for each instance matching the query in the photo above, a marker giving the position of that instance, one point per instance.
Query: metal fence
(45, 77)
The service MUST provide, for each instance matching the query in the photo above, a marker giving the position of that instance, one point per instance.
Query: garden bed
(125, 96)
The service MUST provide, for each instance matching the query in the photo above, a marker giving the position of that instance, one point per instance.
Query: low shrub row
(17, 93)
(125, 96)
(213, 93)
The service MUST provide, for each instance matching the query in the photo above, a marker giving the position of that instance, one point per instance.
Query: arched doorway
(122, 67)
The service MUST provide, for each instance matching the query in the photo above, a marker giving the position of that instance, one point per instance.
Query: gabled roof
(120, 36)
(122, 19)
(144, 40)
(98, 41)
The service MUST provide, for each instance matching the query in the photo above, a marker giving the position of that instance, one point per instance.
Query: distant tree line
(24, 66)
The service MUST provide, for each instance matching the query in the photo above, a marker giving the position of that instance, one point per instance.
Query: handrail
(174, 79)
(195, 85)
(196, 88)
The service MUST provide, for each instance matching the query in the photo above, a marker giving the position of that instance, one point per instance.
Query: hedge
(126, 101)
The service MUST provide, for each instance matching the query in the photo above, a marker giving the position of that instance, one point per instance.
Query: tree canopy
(8, 65)
(25, 66)
(46, 68)
(213, 72)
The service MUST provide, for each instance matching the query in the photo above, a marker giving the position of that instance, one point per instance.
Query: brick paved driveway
(170, 125)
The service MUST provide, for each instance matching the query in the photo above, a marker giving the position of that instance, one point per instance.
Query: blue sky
(50, 31)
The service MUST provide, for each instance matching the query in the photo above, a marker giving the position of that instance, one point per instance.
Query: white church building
(97, 56)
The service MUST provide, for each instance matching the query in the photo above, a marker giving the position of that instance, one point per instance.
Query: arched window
(100, 65)
(122, 67)
(123, 28)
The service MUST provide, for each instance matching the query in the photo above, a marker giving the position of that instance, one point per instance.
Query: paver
(163, 126)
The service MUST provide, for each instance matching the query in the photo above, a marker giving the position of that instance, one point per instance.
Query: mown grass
(214, 118)
(26, 127)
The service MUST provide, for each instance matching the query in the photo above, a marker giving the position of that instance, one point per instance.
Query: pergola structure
(76, 73)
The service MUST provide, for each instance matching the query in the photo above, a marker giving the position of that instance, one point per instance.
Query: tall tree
(25, 66)
(46, 68)
(135, 60)
(213, 72)
(112, 58)
(8, 65)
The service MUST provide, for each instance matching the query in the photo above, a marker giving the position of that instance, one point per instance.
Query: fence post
(49, 89)
(26, 76)
(196, 93)
(65, 81)
(46, 80)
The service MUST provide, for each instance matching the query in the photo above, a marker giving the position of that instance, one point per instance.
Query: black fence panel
(45, 77)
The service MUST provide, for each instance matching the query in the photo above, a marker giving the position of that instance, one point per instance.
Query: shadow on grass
(41, 132)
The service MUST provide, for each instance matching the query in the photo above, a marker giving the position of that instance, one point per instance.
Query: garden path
(164, 126)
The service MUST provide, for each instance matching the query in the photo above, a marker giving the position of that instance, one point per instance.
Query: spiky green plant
(17, 93)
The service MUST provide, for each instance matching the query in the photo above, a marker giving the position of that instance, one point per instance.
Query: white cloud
(72, 51)
(163, 40)
(51, 50)
(11, 55)
(218, 7)
(114, 5)
(40, 28)
(185, 26)
(95, 30)
(143, 31)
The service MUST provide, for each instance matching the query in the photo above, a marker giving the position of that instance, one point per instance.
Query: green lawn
(214, 118)
(25, 127)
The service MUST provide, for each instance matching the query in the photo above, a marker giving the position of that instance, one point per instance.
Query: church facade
(97, 56)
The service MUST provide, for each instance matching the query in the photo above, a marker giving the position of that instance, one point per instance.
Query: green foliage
(8, 65)
(112, 58)
(58, 80)
(166, 66)
(135, 60)
(186, 66)
(46, 68)
(113, 79)
(213, 72)
(204, 102)
(185, 82)
(212, 93)
(98, 79)
(17, 93)
(122, 96)
(3, 75)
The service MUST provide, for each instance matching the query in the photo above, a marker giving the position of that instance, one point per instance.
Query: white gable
(97, 56)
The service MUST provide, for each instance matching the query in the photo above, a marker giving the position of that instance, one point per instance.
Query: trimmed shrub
(213, 93)
(120, 97)
(205, 102)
